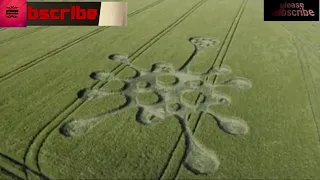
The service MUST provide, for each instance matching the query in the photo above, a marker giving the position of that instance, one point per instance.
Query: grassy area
(49, 41)
(283, 139)
(199, 89)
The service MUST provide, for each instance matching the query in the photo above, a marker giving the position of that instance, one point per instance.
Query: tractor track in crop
(21, 166)
(63, 115)
(24, 34)
(226, 44)
(296, 37)
(76, 100)
(307, 74)
(10, 174)
(42, 58)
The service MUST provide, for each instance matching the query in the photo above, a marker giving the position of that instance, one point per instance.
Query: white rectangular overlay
(113, 14)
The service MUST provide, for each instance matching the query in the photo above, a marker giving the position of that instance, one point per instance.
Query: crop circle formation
(164, 92)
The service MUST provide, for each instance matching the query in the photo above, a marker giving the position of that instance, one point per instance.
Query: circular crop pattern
(142, 85)
(162, 67)
(100, 75)
(167, 80)
(147, 98)
(88, 94)
(119, 57)
(173, 107)
(128, 73)
(115, 86)
(239, 82)
(188, 98)
(203, 42)
(218, 99)
(234, 126)
(224, 70)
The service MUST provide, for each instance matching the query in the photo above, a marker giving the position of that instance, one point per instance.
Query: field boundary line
(307, 87)
(10, 174)
(296, 37)
(139, 50)
(24, 34)
(230, 34)
(8, 169)
(21, 165)
(312, 103)
(67, 45)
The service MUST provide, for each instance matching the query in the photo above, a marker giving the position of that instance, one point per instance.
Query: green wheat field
(190, 89)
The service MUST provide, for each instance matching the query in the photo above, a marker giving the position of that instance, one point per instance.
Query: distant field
(201, 89)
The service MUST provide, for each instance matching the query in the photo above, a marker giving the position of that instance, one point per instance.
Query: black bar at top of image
(67, 21)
